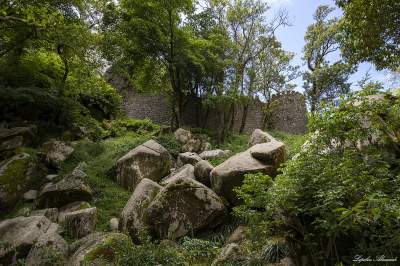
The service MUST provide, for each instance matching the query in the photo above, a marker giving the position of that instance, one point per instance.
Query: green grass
(109, 197)
(292, 142)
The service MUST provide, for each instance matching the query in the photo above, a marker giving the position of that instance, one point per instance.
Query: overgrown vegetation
(339, 197)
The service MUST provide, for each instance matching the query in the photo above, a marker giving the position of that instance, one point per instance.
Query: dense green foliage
(324, 81)
(49, 67)
(339, 197)
(372, 31)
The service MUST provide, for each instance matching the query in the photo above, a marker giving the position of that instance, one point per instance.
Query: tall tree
(324, 80)
(155, 32)
(274, 74)
(372, 31)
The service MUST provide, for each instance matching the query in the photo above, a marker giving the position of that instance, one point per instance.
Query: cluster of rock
(168, 204)
(60, 204)
(170, 197)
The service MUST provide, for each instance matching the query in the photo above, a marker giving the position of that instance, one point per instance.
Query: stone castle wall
(289, 113)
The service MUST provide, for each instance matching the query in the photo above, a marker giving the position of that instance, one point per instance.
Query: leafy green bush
(150, 254)
(340, 197)
(120, 127)
(198, 249)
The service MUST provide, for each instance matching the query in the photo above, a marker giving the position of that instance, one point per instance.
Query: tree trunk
(244, 117)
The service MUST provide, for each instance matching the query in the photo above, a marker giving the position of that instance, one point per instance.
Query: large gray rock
(202, 172)
(230, 174)
(92, 246)
(17, 175)
(186, 171)
(187, 158)
(71, 207)
(272, 152)
(183, 206)
(149, 160)
(57, 152)
(12, 138)
(68, 189)
(80, 223)
(50, 242)
(19, 234)
(229, 252)
(182, 135)
(50, 213)
(206, 155)
(131, 218)
(30, 195)
(258, 136)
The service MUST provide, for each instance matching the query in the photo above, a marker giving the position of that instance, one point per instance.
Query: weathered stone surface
(272, 152)
(202, 172)
(183, 206)
(258, 136)
(68, 189)
(205, 155)
(131, 218)
(114, 224)
(186, 171)
(93, 246)
(228, 252)
(19, 234)
(182, 135)
(187, 158)
(81, 223)
(149, 160)
(30, 195)
(51, 177)
(238, 235)
(50, 213)
(48, 242)
(57, 152)
(71, 207)
(12, 138)
(228, 175)
(17, 175)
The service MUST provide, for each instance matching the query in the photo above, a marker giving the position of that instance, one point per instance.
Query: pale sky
(292, 38)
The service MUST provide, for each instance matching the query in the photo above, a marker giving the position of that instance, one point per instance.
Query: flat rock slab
(272, 152)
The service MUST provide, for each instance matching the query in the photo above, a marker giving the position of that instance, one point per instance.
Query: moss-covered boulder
(132, 216)
(99, 249)
(12, 138)
(183, 206)
(67, 190)
(49, 249)
(18, 175)
(149, 160)
(80, 223)
(186, 171)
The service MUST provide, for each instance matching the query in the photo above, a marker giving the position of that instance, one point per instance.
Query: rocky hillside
(138, 199)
